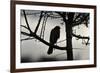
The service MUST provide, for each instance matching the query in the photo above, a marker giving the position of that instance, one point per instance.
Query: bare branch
(26, 21)
(43, 41)
(24, 26)
(27, 39)
(39, 22)
(80, 37)
(77, 17)
(82, 19)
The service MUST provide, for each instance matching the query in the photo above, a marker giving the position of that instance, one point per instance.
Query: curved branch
(24, 27)
(26, 21)
(43, 41)
(80, 37)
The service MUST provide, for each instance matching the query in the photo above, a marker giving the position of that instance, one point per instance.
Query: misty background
(35, 51)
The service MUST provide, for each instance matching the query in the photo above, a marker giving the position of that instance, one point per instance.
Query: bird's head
(57, 27)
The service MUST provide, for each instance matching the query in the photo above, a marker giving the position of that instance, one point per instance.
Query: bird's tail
(50, 50)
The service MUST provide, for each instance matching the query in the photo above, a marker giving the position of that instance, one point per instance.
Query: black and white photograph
(51, 36)
(54, 36)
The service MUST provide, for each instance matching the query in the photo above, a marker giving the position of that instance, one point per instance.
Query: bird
(54, 36)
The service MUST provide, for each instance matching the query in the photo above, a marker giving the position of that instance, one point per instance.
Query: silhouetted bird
(54, 35)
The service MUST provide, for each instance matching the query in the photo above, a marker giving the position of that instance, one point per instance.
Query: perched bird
(54, 36)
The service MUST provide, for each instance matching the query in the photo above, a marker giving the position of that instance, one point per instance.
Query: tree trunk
(69, 43)
(68, 25)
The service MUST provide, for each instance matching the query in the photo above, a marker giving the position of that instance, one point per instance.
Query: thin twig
(27, 39)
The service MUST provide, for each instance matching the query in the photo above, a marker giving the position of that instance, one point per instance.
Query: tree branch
(43, 41)
(26, 21)
(75, 23)
(24, 26)
(77, 17)
(39, 22)
(80, 37)
(27, 39)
